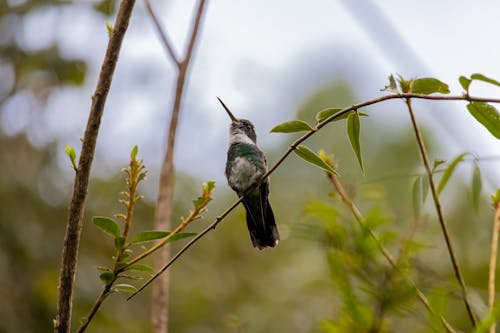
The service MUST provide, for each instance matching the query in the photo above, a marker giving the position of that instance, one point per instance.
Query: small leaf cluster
(485, 113)
(72, 156)
(323, 117)
(125, 266)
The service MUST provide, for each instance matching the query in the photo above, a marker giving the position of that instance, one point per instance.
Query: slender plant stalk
(134, 174)
(71, 244)
(294, 145)
(344, 197)
(159, 311)
(493, 261)
(442, 221)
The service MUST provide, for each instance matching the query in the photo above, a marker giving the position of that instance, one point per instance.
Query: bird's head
(242, 130)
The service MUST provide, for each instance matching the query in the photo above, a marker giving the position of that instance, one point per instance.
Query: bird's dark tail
(260, 219)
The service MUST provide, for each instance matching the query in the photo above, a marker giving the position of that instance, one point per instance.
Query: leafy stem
(347, 201)
(439, 211)
(135, 174)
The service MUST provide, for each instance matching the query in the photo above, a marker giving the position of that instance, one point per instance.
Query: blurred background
(270, 62)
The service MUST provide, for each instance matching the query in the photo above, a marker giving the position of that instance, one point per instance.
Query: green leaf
(119, 243)
(133, 153)
(107, 225)
(147, 236)
(107, 277)
(476, 186)
(495, 198)
(126, 288)
(436, 164)
(209, 186)
(309, 156)
(70, 152)
(403, 84)
(483, 78)
(109, 27)
(449, 171)
(487, 115)
(353, 129)
(464, 82)
(140, 267)
(323, 114)
(429, 85)
(292, 127)
(72, 156)
(181, 235)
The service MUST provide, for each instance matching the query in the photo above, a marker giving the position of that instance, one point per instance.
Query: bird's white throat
(240, 137)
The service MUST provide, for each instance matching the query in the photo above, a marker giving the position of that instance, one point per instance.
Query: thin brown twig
(75, 215)
(164, 207)
(439, 211)
(493, 261)
(167, 44)
(302, 139)
(188, 245)
(344, 197)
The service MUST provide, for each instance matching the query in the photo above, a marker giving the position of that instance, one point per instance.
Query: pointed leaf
(133, 153)
(464, 82)
(291, 127)
(495, 198)
(147, 236)
(429, 85)
(487, 115)
(309, 156)
(119, 243)
(353, 129)
(70, 152)
(483, 78)
(476, 186)
(449, 171)
(209, 186)
(107, 225)
(126, 288)
(436, 164)
(181, 235)
(404, 84)
(107, 277)
(323, 114)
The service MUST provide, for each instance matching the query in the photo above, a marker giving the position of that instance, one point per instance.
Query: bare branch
(164, 205)
(75, 215)
(167, 44)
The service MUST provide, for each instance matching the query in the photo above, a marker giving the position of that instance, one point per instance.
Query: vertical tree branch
(159, 316)
(442, 222)
(75, 215)
(493, 261)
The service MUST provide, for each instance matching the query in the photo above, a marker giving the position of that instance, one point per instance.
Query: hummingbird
(245, 166)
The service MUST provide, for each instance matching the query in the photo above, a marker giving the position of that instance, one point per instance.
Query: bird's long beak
(233, 118)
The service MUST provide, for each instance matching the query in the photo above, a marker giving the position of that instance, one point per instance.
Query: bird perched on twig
(245, 166)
